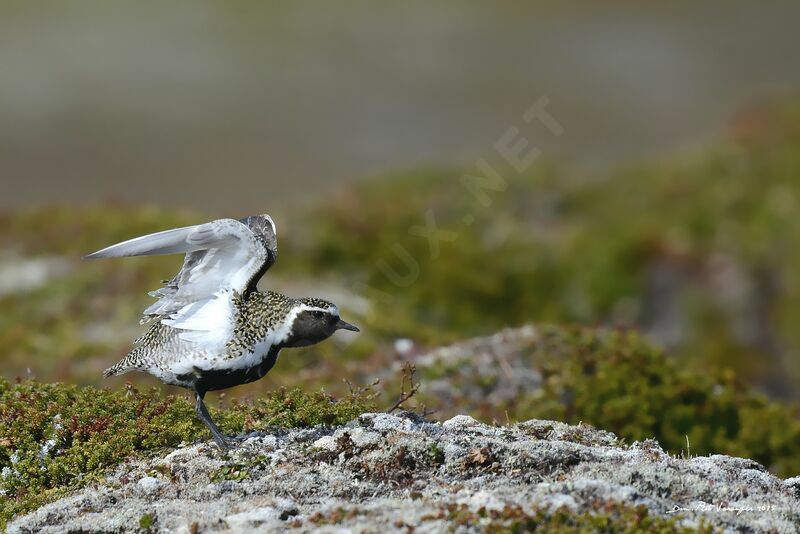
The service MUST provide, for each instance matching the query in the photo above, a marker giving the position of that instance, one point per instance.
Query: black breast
(214, 380)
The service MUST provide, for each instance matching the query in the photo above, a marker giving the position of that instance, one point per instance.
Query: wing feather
(223, 258)
(166, 242)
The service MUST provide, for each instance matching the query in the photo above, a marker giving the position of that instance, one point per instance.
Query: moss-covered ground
(56, 437)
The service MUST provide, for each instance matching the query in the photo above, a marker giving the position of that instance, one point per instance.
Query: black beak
(342, 325)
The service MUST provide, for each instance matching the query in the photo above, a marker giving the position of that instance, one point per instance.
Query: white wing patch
(208, 322)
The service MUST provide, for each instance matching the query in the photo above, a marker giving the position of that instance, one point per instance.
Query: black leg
(202, 413)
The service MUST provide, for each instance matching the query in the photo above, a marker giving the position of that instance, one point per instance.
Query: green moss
(616, 381)
(610, 518)
(295, 408)
(146, 522)
(55, 438)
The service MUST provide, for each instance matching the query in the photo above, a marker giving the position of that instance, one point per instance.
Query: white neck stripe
(333, 310)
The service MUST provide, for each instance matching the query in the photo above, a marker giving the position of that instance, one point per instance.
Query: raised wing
(222, 257)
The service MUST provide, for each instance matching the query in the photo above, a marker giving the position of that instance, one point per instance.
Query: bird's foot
(202, 412)
(224, 445)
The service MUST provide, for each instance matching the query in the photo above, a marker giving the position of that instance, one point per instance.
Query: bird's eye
(318, 314)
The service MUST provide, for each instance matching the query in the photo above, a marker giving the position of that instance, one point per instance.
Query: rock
(256, 518)
(499, 360)
(391, 472)
(461, 421)
(326, 442)
(149, 485)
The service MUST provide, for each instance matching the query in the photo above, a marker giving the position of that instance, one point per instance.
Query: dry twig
(408, 388)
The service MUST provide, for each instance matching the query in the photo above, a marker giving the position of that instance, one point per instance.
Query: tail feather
(119, 368)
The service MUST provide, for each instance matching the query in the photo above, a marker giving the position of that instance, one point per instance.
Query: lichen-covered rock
(387, 472)
(612, 379)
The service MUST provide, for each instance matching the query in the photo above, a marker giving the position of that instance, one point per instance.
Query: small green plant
(235, 472)
(240, 470)
(146, 522)
(436, 454)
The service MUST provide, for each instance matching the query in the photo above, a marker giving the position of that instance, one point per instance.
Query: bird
(210, 327)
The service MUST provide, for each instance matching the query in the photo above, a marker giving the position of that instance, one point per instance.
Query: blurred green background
(670, 204)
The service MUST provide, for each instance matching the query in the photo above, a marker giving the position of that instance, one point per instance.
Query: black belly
(202, 380)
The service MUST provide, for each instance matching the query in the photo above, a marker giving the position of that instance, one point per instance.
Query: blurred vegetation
(700, 253)
(55, 437)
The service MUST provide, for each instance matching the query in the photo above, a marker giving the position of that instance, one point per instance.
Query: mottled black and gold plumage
(211, 327)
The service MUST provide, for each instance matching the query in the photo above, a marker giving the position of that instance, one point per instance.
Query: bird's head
(314, 321)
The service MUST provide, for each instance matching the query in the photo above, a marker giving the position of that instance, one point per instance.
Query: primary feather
(166, 242)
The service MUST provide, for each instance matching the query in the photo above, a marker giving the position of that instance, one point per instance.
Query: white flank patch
(208, 322)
